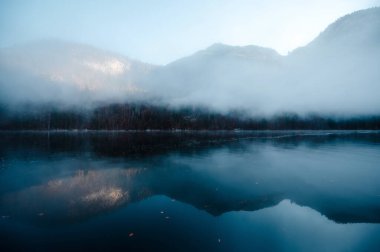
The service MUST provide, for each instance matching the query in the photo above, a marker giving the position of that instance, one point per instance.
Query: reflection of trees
(143, 116)
(143, 144)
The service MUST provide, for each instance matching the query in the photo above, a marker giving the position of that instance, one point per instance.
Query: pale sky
(160, 31)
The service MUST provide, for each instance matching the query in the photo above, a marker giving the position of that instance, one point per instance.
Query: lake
(190, 191)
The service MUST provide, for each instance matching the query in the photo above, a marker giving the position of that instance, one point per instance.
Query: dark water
(268, 191)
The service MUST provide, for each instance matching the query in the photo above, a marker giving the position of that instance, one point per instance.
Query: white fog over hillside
(68, 73)
(336, 73)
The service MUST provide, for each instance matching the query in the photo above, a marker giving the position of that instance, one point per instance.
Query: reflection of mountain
(218, 178)
(86, 193)
(91, 192)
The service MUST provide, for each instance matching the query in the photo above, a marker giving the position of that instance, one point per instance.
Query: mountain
(335, 74)
(53, 70)
(211, 77)
(339, 70)
(360, 29)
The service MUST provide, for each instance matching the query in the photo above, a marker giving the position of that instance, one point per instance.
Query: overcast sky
(162, 31)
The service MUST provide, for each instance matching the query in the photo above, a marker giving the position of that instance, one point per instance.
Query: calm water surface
(221, 191)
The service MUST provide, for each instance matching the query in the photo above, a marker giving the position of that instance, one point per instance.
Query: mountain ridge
(220, 76)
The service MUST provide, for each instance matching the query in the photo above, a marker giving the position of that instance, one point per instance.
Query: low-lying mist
(336, 76)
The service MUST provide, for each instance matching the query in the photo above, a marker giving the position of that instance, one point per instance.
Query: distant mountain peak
(359, 27)
(249, 52)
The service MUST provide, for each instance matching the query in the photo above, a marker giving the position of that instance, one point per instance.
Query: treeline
(144, 117)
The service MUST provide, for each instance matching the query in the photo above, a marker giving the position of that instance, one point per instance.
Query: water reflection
(85, 193)
(71, 177)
